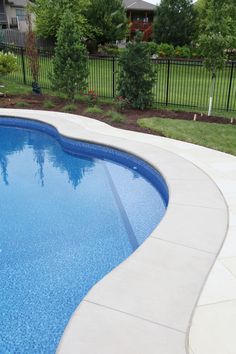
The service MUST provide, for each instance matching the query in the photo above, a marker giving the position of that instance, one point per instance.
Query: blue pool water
(66, 220)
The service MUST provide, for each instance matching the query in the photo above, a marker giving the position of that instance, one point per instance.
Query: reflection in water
(12, 143)
(3, 164)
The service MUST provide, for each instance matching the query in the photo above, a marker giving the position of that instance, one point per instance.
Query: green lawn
(188, 85)
(216, 136)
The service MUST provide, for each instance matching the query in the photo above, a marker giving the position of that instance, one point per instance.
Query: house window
(21, 14)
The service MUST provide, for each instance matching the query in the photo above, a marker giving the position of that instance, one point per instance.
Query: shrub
(137, 75)
(92, 98)
(196, 52)
(166, 50)
(182, 52)
(94, 110)
(48, 104)
(121, 103)
(108, 49)
(70, 107)
(8, 63)
(115, 117)
(70, 65)
(153, 47)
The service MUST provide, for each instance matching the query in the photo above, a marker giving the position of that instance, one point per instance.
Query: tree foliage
(49, 13)
(8, 63)
(109, 18)
(174, 22)
(137, 76)
(70, 64)
(217, 34)
(217, 31)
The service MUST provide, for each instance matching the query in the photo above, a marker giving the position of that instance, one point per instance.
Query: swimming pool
(70, 212)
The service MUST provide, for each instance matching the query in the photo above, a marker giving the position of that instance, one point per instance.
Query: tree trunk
(212, 89)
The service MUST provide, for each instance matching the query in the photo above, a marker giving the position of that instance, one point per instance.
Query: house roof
(138, 5)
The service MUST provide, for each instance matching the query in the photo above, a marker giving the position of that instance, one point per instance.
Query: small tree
(32, 54)
(137, 76)
(70, 64)
(8, 63)
(49, 13)
(218, 34)
(174, 22)
(110, 20)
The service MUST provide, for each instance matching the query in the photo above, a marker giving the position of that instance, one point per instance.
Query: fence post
(230, 85)
(113, 77)
(23, 64)
(167, 82)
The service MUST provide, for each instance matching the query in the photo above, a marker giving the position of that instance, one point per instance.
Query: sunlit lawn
(216, 136)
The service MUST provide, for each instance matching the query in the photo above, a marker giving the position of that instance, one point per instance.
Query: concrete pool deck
(177, 293)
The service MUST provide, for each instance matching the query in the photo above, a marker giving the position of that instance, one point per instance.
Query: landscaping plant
(70, 64)
(8, 63)
(32, 54)
(92, 98)
(137, 75)
(121, 103)
(218, 34)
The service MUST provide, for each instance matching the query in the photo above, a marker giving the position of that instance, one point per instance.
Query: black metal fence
(182, 83)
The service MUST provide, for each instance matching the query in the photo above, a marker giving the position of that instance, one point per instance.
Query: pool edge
(88, 130)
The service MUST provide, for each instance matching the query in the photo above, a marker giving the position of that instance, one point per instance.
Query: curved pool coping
(146, 304)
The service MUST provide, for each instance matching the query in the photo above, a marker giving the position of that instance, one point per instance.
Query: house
(140, 14)
(13, 14)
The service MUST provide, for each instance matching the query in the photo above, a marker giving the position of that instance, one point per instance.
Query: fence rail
(180, 83)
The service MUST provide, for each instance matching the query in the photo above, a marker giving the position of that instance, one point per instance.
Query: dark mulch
(132, 115)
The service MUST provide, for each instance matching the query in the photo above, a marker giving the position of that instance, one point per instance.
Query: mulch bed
(132, 115)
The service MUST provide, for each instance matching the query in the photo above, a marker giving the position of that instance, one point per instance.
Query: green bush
(153, 47)
(70, 107)
(48, 104)
(92, 98)
(94, 110)
(108, 49)
(166, 50)
(182, 52)
(8, 63)
(121, 103)
(115, 117)
(196, 52)
(70, 64)
(137, 75)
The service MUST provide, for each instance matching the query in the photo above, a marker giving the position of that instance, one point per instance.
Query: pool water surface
(66, 220)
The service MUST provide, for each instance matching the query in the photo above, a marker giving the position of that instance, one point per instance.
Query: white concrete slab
(150, 284)
(221, 286)
(213, 329)
(114, 332)
(191, 229)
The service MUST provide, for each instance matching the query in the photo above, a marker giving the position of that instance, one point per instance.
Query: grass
(94, 110)
(14, 88)
(216, 136)
(188, 85)
(115, 117)
(70, 107)
(48, 104)
(21, 104)
(216, 113)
